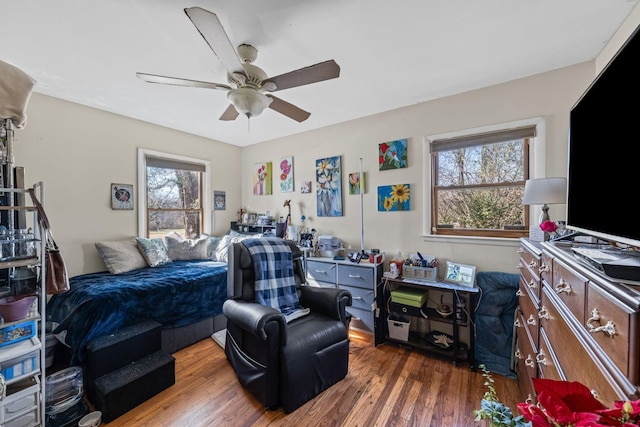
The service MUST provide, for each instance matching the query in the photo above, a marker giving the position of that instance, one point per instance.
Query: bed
(178, 295)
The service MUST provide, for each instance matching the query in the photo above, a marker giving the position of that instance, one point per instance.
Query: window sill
(468, 240)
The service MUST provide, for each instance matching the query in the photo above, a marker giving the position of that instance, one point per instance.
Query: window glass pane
(187, 223)
(172, 189)
(488, 208)
(484, 164)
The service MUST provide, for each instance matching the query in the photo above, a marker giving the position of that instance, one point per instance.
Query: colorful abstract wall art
(394, 197)
(329, 186)
(392, 154)
(356, 183)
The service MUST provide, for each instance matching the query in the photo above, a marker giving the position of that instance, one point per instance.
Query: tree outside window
(478, 183)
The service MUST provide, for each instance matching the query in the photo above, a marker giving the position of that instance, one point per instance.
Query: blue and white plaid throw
(275, 284)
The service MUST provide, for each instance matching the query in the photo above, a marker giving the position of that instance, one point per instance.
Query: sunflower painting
(392, 154)
(329, 186)
(394, 197)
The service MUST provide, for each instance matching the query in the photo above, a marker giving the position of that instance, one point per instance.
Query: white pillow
(121, 256)
(181, 249)
(222, 250)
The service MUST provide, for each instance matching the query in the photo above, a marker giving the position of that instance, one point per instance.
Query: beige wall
(78, 152)
(549, 95)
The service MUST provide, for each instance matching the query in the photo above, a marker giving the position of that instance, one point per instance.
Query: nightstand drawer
(351, 275)
(322, 271)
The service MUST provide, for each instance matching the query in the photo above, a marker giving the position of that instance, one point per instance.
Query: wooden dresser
(574, 324)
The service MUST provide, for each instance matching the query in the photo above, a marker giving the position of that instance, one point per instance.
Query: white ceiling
(391, 53)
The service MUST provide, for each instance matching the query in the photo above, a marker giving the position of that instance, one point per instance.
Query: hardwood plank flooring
(388, 385)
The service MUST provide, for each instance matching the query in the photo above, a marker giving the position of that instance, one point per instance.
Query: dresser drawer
(571, 288)
(529, 312)
(322, 271)
(360, 298)
(546, 268)
(530, 282)
(547, 362)
(525, 357)
(530, 261)
(575, 357)
(615, 328)
(362, 319)
(352, 275)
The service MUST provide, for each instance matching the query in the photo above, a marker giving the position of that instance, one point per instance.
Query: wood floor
(386, 385)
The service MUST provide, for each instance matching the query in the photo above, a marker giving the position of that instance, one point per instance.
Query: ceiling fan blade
(230, 113)
(289, 110)
(304, 76)
(178, 81)
(211, 30)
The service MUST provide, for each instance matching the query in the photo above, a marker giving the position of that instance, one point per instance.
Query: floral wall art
(329, 186)
(356, 183)
(394, 197)
(286, 174)
(262, 179)
(392, 154)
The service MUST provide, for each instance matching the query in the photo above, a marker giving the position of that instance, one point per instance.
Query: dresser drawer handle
(529, 361)
(533, 264)
(529, 399)
(543, 313)
(532, 284)
(540, 358)
(595, 394)
(517, 323)
(321, 271)
(563, 286)
(518, 354)
(609, 329)
(359, 298)
(543, 268)
(355, 276)
(531, 320)
(519, 265)
(519, 251)
(519, 293)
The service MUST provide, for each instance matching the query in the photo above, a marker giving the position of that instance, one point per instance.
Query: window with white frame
(477, 183)
(175, 194)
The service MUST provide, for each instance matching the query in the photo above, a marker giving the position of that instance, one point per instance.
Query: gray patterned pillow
(121, 256)
(154, 251)
(181, 249)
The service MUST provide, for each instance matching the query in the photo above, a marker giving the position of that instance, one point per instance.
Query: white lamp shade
(545, 191)
(249, 102)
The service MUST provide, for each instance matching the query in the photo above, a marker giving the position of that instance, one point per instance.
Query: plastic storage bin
(64, 389)
(20, 407)
(17, 332)
(398, 327)
(21, 360)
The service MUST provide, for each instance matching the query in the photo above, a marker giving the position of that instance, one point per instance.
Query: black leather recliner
(284, 364)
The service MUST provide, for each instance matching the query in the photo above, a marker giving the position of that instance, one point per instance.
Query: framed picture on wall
(121, 196)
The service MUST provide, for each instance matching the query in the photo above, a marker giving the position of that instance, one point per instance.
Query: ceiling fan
(249, 89)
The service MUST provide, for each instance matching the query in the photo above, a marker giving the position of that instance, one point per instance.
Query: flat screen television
(604, 171)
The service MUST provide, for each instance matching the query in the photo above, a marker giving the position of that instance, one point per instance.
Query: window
(477, 183)
(175, 195)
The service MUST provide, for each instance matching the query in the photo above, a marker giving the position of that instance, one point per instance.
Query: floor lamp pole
(361, 182)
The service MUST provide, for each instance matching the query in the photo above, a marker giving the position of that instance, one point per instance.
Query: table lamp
(545, 191)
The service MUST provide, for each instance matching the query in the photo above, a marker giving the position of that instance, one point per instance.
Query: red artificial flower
(549, 226)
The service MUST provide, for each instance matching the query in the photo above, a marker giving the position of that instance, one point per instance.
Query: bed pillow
(223, 247)
(154, 251)
(181, 249)
(212, 245)
(121, 256)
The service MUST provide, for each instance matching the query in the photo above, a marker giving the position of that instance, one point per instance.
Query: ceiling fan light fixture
(249, 102)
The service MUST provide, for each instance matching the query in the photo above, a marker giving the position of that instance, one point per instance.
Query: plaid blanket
(275, 283)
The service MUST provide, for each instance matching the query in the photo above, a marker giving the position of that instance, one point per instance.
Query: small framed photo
(460, 274)
(219, 200)
(122, 196)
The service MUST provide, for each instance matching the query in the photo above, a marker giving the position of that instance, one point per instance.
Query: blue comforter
(176, 294)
